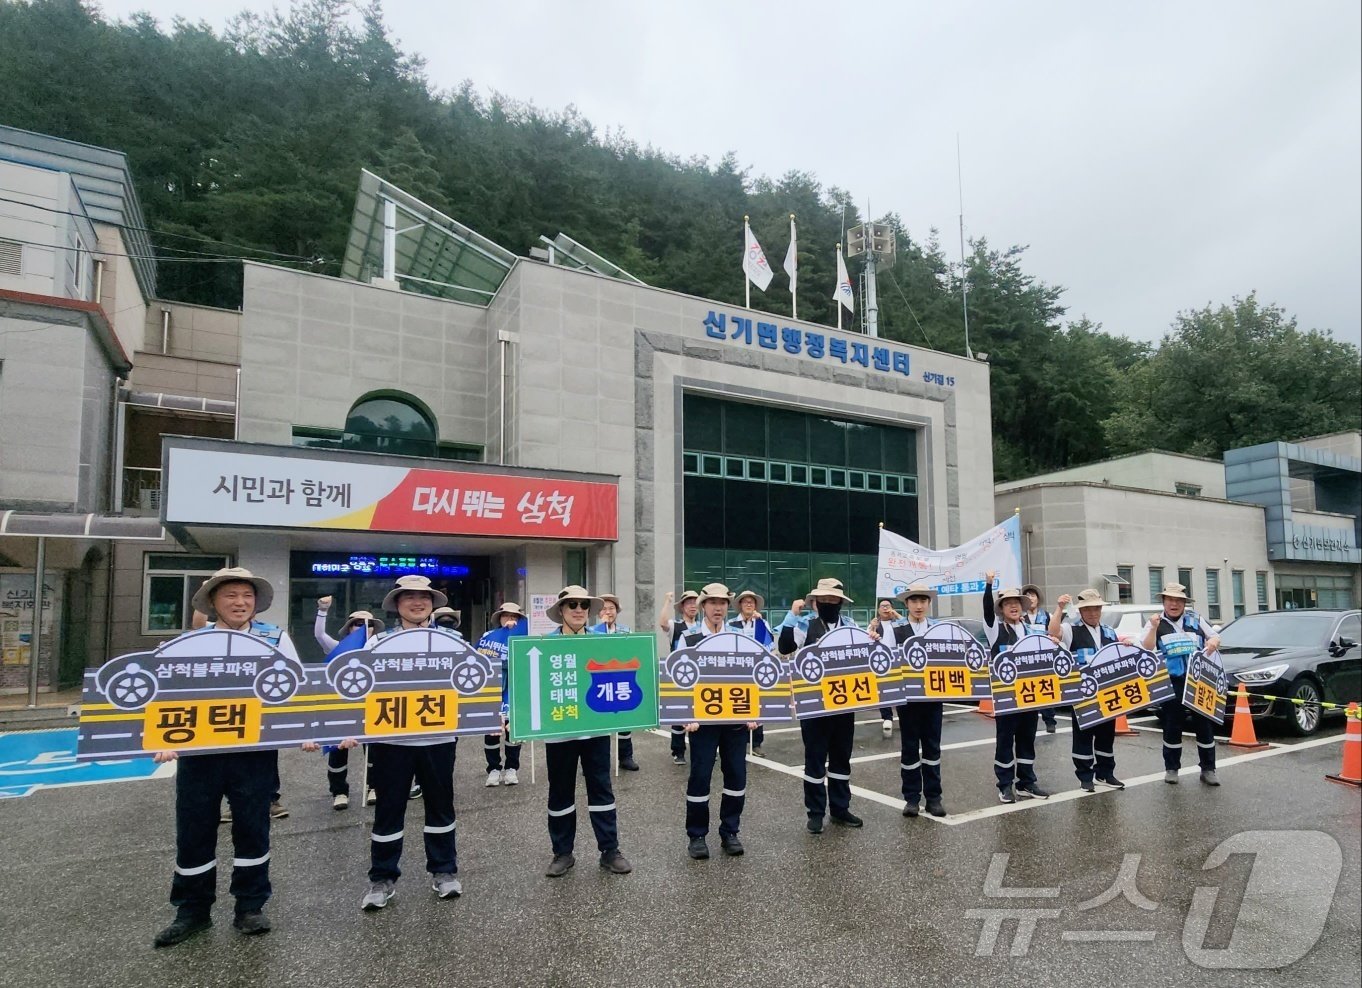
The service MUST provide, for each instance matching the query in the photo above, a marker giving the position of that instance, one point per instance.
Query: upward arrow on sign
(536, 712)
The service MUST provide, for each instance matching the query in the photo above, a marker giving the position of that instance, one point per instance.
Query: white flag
(792, 258)
(754, 260)
(843, 292)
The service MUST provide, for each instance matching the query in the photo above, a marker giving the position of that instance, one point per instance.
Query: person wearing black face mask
(827, 740)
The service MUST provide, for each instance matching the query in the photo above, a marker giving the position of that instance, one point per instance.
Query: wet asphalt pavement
(85, 872)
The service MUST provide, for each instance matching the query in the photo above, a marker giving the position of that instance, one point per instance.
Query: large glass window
(170, 580)
(1237, 589)
(774, 499)
(1262, 590)
(1213, 594)
(1155, 583)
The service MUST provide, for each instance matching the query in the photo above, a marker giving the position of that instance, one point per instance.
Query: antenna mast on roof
(964, 271)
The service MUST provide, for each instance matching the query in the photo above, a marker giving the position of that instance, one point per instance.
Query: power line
(910, 309)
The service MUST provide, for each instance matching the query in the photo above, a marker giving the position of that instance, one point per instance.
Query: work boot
(628, 764)
(910, 809)
(848, 819)
(1208, 777)
(181, 930)
(378, 895)
(698, 849)
(1171, 776)
(252, 923)
(935, 807)
(560, 865)
(616, 863)
(731, 845)
(446, 886)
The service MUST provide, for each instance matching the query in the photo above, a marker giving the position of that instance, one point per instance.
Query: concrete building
(1267, 527)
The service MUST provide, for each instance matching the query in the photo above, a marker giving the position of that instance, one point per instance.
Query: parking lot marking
(1192, 734)
(797, 771)
(945, 747)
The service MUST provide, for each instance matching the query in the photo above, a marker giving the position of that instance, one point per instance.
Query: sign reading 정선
(726, 678)
(845, 670)
(574, 686)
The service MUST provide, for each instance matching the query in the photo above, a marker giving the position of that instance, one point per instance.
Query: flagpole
(746, 281)
(839, 290)
(794, 287)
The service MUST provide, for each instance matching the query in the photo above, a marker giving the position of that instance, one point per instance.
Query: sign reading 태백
(574, 686)
(846, 670)
(726, 678)
(945, 663)
(226, 487)
(217, 690)
(1205, 689)
(1120, 679)
(1034, 674)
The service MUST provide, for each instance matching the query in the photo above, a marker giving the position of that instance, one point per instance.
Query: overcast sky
(1156, 156)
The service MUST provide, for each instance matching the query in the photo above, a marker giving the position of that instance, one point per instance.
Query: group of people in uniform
(406, 768)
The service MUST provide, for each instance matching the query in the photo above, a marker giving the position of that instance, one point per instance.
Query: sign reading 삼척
(1206, 686)
(726, 678)
(845, 670)
(574, 686)
(1034, 674)
(1120, 679)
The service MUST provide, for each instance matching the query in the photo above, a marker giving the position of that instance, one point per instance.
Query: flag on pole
(792, 257)
(754, 259)
(843, 292)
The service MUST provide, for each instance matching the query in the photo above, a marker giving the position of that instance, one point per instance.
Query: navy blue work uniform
(248, 780)
(562, 758)
(758, 630)
(1014, 754)
(1094, 750)
(1173, 715)
(678, 738)
(729, 743)
(828, 741)
(919, 737)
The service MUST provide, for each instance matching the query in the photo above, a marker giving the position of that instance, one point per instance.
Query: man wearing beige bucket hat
(338, 758)
(1014, 754)
(230, 598)
(402, 765)
(572, 613)
(507, 622)
(726, 741)
(919, 722)
(1094, 750)
(1176, 634)
(828, 741)
(675, 621)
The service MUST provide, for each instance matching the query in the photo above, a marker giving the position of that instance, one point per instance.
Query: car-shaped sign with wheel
(1121, 678)
(411, 659)
(845, 670)
(1033, 674)
(946, 663)
(724, 678)
(213, 661)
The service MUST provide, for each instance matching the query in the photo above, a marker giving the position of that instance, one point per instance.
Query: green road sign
(574, 686)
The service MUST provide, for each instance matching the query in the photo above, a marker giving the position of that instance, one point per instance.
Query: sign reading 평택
(950, 572)
(726, 678)
(574, 686)
(1120, 679)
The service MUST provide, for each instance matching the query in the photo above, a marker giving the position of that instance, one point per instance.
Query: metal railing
(142, 489)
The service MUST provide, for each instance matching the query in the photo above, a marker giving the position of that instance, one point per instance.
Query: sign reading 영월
(946, 663)
(1205, 689)
(1120, 679)
(1034, 674)
(726, 678)
(845, 670)
(574, 686)
(217, 690)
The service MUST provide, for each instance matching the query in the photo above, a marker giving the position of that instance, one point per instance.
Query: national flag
(754, 259)
(792, 257)
(351, 642)
(843, 292)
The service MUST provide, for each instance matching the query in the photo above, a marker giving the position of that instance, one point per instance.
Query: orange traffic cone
(1351, 773)
(986, 707)
(1123, 728)
(1242, 734)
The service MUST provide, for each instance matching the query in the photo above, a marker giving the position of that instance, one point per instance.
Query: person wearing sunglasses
(572, 613)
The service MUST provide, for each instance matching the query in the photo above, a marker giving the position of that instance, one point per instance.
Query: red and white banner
(221, 487)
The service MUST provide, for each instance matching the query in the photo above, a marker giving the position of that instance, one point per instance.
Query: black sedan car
(1311, 656)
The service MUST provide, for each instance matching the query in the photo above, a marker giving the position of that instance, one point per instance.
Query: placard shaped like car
(845, 670)
(943, 664)
(205, 690)
(1206, 684)
(726, 678)
(1120, 679)
(1034, 674)
(420, 681)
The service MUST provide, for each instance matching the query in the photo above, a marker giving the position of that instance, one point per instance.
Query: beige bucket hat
(440, 612)
(715, 591)
(685, 596)
(1090, 598)
(757, 599)
(1009, 593)
(829, 587)
(613, 599)
(573, 592)
(413, 584)
(510, 607)
(1176, 591)
(363, 617)
(203, 597)
(917, 590)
